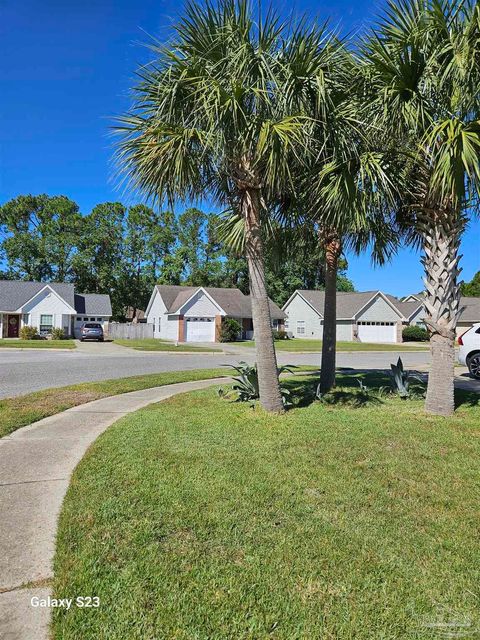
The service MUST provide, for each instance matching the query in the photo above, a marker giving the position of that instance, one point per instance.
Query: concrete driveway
(22, 371)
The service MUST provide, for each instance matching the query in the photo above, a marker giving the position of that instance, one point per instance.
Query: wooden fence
(130, 331)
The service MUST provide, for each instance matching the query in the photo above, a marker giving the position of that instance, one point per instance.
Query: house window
(92, 319)
(154, 325)
(286, 323)
(301, 327)
(25, 319)
(159, 324)
(46, 323)
(99, 319)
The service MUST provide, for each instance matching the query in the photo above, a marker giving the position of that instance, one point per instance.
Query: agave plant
(245, 384)
(401, 379)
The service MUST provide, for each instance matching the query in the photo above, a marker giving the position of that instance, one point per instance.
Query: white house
(368, 316)
(47, 306)
(195, 314)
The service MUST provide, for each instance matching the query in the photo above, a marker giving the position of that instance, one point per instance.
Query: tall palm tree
(218, 113)
(423, 63)
(352, 199)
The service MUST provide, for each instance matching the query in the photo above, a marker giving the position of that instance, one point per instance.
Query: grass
(18, 412)
(36, 344)
(305, 344)
(151, 344)
(200, 518)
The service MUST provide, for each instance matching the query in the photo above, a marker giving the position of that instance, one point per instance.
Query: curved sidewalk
(36, 463)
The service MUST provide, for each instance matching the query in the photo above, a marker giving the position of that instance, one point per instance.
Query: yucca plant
(423, 66)
(246, 387)
(220, 113)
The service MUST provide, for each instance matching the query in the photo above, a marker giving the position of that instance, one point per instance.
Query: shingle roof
(15, 293)
(232, 301)
(470, 309)
(97, 304)
(407, 308)
(348, 303)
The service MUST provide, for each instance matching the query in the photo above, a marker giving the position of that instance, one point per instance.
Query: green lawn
(200, 518)
(37, 344)
(304, 344)
(18, 412)
(151, 344)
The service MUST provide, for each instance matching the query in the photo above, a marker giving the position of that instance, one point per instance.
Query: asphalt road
(22, 371)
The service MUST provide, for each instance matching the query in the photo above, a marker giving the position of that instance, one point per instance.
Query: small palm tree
(220, 113)
(423, 63)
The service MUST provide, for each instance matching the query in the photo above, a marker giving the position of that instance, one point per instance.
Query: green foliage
(230, 330)
(414, 333)
(28, 333)
(58, 334)
(280, 335)
(471, 288)
(245, 386)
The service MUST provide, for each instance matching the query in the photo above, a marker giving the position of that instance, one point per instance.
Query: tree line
(124, 251)
(367, 142)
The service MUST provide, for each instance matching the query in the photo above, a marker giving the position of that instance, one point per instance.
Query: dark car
(91, 331)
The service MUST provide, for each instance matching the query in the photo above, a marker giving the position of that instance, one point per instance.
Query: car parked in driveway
(469, 352)
(91, 331)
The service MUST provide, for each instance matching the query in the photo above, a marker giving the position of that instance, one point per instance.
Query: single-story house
(367, 316)
(195, 314)
(47, 306)
(469, 311)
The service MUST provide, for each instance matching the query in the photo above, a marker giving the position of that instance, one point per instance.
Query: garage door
(200, 329)
(377, 331)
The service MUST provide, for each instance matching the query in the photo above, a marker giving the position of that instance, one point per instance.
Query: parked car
(469, 352)
(91, 331)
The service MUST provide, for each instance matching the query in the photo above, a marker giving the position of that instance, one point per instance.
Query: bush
(28, 333)
(58, 334)
(415, 333)
(280, 335)
(230, 330)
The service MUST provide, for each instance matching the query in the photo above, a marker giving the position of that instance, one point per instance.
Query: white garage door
(199, 329)
(377, 332)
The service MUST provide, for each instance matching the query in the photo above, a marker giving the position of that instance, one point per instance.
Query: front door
(13, 326)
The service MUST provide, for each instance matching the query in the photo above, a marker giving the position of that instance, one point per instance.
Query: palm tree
(219, 114)
(423, 63)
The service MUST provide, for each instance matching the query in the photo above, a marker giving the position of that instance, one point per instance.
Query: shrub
(415, 333)
(280, 335)
(58, 334)
(28, 333)
(245, 384)
(230, 330)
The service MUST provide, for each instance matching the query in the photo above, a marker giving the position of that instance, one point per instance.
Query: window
(99, 319)
(92, 319)
(25, 319)
(301, 327)
(46, 324)
(286, 324)
(154, 325)
(159, 324)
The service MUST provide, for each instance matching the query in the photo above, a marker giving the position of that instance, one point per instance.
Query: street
(23, 371)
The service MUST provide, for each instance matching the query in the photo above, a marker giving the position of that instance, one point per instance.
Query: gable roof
(349, 303)
(97, 304)
(233, 302)
(469, 308)
(15, 293)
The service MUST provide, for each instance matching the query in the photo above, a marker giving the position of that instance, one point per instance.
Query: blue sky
(65, 70)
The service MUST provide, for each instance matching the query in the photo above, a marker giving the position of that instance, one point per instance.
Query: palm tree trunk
(268, 383)
(333, 249)
(441, 242)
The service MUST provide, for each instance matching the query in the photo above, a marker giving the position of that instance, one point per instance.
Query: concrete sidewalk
(36, 463)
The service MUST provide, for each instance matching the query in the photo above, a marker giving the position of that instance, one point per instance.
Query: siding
(378, 311)
(297, 310)
(200, 306)
(345, 330)
(48, 303)
(157, 310)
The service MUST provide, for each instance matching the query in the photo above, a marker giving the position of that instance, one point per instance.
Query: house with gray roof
(195, 314)
(49, 305)
(469, 311)
(366, 316)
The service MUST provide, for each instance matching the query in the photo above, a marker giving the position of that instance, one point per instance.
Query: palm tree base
(440, 391)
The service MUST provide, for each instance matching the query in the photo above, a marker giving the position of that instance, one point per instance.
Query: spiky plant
(423, 63)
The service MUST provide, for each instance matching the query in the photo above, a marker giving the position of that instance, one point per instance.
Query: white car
(469, 352)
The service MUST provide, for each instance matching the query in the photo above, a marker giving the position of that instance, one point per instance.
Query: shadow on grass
(467, 398)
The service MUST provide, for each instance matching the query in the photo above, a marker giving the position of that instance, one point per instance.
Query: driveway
(24, 371)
